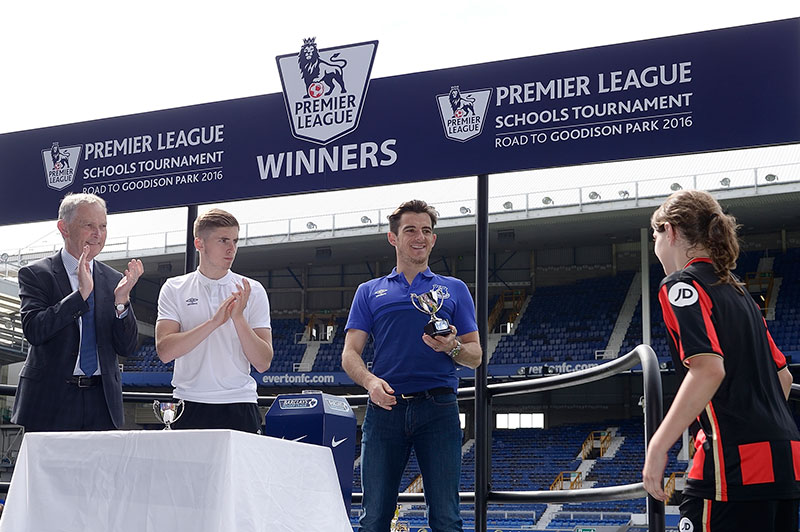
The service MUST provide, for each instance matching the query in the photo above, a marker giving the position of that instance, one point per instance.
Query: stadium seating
(329, 357)
(530, 459)
(561, 323)
(785, 329)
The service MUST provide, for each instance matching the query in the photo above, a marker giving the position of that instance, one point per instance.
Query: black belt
(442, 390)
(82, 381)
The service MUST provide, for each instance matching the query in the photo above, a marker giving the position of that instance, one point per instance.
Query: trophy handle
(414, 301)
(179, 410)
(157, 410)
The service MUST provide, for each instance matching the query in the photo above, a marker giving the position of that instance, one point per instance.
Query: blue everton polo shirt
(382, 307)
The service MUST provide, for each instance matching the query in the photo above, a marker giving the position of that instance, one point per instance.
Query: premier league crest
(463, 113)
(60, 165)
(324, 89)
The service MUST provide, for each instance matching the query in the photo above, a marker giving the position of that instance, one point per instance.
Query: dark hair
(211, 220)
(702, 222)
(417, 206)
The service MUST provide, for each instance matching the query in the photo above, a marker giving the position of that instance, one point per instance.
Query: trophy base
(440, 327)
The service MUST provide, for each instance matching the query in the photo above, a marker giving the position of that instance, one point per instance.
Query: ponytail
(702, 223)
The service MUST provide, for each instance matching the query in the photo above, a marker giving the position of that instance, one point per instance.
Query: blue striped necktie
(89, 340)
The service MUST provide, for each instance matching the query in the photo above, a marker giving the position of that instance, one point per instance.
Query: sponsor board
(298, 403)
(334, 128)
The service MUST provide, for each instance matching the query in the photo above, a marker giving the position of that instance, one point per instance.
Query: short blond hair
(213, 219)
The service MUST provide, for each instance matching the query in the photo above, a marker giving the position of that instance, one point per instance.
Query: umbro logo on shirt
(191, 301)
(381, 292)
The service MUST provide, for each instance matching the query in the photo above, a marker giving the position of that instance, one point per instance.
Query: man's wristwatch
(456, 350)
(122, 306)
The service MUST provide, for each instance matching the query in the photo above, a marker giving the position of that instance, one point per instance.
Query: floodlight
(547, 200)
(464, 210)
(675, 187)
(594, 195)
(311, 226)
(624, 194)
(725, 182)
(508, 205)
(366, 220)
(770, 178)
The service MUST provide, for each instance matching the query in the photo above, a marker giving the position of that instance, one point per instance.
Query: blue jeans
(431, 426)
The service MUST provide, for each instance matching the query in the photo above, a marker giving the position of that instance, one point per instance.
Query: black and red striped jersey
(749, 446)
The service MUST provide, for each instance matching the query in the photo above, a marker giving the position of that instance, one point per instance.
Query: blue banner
(333, 128)
(339, 378)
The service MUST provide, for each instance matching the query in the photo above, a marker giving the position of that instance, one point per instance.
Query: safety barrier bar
(652, 409)
(642, 354)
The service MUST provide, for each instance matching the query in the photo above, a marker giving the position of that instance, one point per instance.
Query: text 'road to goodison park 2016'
(126, 164)
(622, 115)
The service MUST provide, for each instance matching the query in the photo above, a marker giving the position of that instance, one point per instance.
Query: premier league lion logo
(318, 73)
(324, 88)
(60, 158)
(60, 165)
(463, 113)
(462, 105)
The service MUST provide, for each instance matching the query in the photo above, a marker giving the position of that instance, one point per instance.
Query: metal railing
(643, 355)
(524, 204)
(652, 406)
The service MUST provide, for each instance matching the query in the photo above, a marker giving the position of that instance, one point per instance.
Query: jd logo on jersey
(324, 89)
(682, 295)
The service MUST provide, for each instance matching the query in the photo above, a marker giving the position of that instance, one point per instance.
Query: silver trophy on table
(430, 303)
(168, 413)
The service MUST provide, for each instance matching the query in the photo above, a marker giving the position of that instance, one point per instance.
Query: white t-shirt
(216, 371)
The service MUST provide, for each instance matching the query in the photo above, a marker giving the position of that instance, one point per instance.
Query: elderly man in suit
(76, 315)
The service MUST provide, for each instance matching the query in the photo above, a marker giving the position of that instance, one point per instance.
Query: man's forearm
(356, 369)
(257, 350)
(176, 344)
(471, 355)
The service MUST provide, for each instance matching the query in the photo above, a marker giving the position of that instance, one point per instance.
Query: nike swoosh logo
(335, 443)
(300, 438)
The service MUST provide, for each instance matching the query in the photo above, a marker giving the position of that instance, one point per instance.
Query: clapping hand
(122, 292)
(240, 298)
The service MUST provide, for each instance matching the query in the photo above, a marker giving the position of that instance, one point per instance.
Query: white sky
(130, 57)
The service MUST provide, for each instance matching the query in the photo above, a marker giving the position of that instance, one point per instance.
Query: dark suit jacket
(50, 312)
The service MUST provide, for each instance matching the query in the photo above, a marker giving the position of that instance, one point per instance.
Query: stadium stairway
(494, 338)
(625, 317)
(548, 515)
(585, 468)
(773, 298)
(309, 356)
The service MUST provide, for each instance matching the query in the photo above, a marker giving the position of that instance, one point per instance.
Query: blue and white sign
(463, 113)
(716, 90)
(324, 89)
(297, 403)
(60, 165)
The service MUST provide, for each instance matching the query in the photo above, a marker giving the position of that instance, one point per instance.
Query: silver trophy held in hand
(430, 302)
(168, 413)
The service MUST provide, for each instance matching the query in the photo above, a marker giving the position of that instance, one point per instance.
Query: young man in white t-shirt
(215, 324)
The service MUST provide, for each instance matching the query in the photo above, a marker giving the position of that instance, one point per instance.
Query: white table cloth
(172, 481)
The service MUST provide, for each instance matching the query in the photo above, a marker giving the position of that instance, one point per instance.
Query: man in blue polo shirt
(412, 385)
